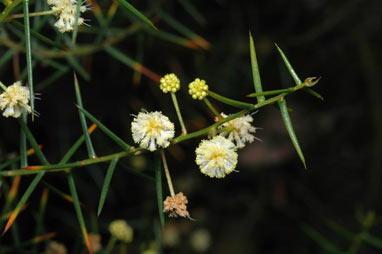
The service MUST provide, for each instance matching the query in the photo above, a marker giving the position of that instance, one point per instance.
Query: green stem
(175, 101)
(29, 54)
(110, 244)
(212, 108)
(235, 103)
(207, 129)
(167, 173)
(32, 14)
(272, 92)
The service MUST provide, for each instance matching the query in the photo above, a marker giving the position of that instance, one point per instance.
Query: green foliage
(112, 39)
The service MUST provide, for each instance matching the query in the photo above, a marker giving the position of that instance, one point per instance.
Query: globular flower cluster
(66, 13)
(121, 230)
(169, 83)
(176, 206)
(152, 130)
(216, 157)
(239, 130)
(14, 100)
(198, 89)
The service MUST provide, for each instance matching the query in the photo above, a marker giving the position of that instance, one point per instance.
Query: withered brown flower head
(176, 206)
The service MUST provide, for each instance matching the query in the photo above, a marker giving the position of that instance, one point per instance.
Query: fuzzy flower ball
(121, 230)
(216, 157)
(239, 130)
(15, 100)
(152, 130)
(169, 83)
(66, 13)
(198, 89)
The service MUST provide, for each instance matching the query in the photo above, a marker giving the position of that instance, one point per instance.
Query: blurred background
(272, 205)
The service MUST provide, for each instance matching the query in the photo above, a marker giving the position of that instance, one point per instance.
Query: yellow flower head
(66, 12)
(15, 100)
(152, 130)
(169, 83)
(121, 230)
(216, 157)
(198, 89)
(239, 130)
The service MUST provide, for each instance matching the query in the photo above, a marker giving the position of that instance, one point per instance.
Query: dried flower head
(176, 206)
(15, 100)
(169, 83)
(66, 13)
(121, 230)
(198, 89)
(216, 157)
(239, 130)
(95, 242)
(55, 248)
(152, 130)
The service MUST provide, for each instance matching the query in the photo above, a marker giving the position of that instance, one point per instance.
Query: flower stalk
(167, 173)
(32, 14)
(212, 108)
(179, 114)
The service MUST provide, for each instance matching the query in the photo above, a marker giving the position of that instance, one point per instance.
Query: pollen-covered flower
(66, 13)
(169, 83)
(239, 130)
(216, 157)
(15, 100)
(121, 230)
(152, 130)
(176, 206)
(198, 89)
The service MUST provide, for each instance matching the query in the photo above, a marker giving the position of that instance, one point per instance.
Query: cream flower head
(121, 230)
(15, 100)
(169, 83)
(66, 12)
(152, 130)
(216, 157)
(55, 248)
(198, 89)
(239, 130)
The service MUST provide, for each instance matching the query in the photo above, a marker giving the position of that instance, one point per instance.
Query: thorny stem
(32, 14)
(175, 101)
(65, 167)
(212, 108)
(167, 172)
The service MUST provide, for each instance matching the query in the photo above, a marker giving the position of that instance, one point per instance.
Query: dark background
(272, 205)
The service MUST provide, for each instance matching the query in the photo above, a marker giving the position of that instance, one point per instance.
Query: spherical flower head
(176, 206)
(198, 89)
(169, 83)
(121, 230)
(66, 13)
(239, 130)
(216, 157)
(15, 100)
(152, 130)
